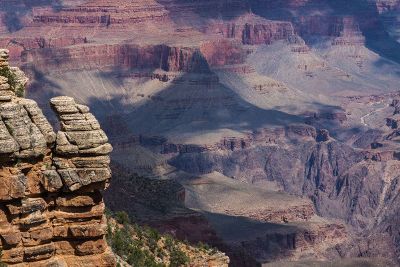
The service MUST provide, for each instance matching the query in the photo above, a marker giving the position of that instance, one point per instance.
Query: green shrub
(130, 249)
(19, 90)
(169, 242)
(153, 233)
(13, 82)
(122, 217)
(139, 258)
(108, 213)
(178, 258)
(203, 246)
(140, 246)
(121, 241)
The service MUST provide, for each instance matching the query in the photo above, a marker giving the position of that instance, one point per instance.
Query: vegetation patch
(144, 246)
(13, 81)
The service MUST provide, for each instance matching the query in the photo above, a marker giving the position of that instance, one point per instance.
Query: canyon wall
(357, 186)
(106, 13)
(51, 205)
(252, 30)
(103, 57)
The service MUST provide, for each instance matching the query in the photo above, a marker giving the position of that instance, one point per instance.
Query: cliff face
(123, 56)
(342, 182)
(253, 30)
(51, 206)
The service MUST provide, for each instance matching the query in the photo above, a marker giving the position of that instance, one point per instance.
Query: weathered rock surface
(253, 30)
(51, 206)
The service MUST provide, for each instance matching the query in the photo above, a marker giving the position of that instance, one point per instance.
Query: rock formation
(253, 30)
(51, 205)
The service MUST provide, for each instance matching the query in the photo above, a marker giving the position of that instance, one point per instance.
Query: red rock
(253, 30)
(91, 247)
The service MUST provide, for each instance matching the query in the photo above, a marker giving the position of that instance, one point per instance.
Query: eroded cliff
(51, 205)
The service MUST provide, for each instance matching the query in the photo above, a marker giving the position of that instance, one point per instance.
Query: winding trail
(370, 113)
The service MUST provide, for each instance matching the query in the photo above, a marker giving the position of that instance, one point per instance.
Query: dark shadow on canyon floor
(184, 108)
(243, 239)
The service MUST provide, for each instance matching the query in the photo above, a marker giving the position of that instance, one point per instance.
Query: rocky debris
(51, 206)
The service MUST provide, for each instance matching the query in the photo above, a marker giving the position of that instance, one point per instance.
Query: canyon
(268, 129)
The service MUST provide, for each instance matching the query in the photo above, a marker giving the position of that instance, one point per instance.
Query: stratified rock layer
(51, 206)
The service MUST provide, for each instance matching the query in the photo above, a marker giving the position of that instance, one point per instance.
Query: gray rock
(37, 117)
(51, 181)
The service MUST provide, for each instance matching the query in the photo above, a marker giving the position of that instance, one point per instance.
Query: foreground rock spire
(51, 206)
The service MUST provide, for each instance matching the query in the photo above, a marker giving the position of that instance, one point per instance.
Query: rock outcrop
(51, 206)
(253, 30)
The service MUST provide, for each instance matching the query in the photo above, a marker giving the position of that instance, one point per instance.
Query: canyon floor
(269, 129)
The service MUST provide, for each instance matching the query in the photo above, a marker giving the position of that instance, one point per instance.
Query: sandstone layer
(51, 205)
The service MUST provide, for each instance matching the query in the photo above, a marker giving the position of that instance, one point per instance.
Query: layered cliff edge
(51, 204)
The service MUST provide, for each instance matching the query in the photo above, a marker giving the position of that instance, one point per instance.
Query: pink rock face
(17, 46)
(101, 13)
(167, 58)
(223, 52)
(345, 30)
(82, 23)
(106, 13)
(253, 30)
(163, 57)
